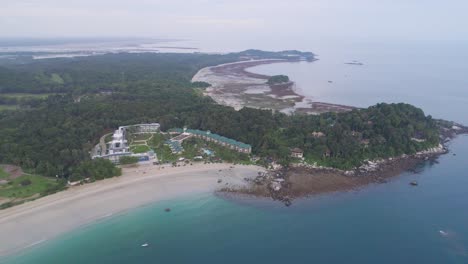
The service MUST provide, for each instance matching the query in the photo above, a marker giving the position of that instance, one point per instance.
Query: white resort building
(119, 142)
(118, 146)
(146, 128)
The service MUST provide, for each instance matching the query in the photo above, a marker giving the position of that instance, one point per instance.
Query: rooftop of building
(213, 136)
(297, 150)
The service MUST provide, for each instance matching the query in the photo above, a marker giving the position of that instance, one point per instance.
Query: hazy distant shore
(35, 222)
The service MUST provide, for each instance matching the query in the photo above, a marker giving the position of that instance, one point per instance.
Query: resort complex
(137, 141)
(208, 136)
(118, 147)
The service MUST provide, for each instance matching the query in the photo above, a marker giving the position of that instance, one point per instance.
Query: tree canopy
(99, 93)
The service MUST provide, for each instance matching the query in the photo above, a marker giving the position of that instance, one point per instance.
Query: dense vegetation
(200, 85)
(101, 93)
(277, 79)
(96, 169)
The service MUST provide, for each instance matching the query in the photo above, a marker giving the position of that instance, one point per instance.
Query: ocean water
(429, 75)
(385, 223)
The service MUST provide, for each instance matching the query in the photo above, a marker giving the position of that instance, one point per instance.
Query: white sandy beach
(35, 222)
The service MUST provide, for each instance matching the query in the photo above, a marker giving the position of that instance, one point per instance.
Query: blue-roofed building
(175, 146)
(211, 137)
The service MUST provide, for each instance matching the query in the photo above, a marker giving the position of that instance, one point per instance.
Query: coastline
(302, 181)
(232, 84)
(298, 182)
(35, 222)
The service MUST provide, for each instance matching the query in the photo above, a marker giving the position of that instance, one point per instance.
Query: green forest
(277, 79)
(91, 96)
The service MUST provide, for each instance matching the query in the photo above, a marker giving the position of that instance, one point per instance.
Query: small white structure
(148, 128)
(297, 153)
(317, 134)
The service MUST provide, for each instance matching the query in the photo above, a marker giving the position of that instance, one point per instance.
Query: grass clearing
(27, 95)
(56, 78)
(3, 174)
(139, 137)
(158, 140)
(27, 186)
(8, 107)
(139, 148)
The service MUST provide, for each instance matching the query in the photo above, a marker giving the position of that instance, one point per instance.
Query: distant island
(354, 62)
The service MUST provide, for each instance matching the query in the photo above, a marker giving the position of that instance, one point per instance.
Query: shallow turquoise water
(387, 223)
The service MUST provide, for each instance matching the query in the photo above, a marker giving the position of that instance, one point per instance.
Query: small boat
(443, 233)
(145, 245)
(414, 183)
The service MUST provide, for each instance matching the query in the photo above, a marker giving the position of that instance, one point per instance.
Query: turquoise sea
(385, 223)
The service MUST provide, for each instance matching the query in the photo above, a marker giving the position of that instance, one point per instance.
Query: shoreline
(53, 215)
(232, 84)
(33, 223)
(30, 224)
(304, 181)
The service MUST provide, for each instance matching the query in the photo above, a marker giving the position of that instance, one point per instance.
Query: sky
(237, 19)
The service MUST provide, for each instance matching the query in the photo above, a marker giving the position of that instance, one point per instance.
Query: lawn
(3, 174)
(56, 78)
(8, 107)
(26, 186)
(158, 140)
(27, 95)
(139, 148)
(141, 136)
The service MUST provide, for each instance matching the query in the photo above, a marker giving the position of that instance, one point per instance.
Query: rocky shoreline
(303, 180)
(233, 85)
(299, 181)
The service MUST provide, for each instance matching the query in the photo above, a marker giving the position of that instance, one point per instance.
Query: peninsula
(183, 123)
(233, 85)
